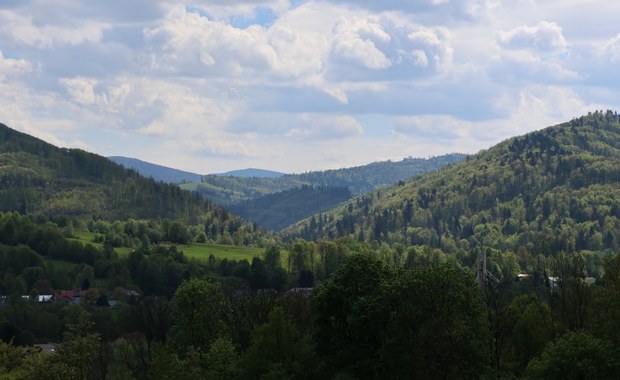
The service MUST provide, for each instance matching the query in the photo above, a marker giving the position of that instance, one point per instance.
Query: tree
(78, 357)
(279, 351)
(347, 319)
(154, 316)
(222, 360)
(576, 355)
(258, 274)
(202, 312)
(436, 325)
(607, 303)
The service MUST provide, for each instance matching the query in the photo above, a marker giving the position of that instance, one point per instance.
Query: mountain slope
(157, 172)
(550, 190)
(37, 177)
(278, 210)
(360, 179)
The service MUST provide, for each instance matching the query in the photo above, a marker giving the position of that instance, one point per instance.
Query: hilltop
(550, 190)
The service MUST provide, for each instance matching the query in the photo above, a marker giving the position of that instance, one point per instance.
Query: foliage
(607, 303)
(426, 323)
(576, 355)
(280, 351)
(202, 314)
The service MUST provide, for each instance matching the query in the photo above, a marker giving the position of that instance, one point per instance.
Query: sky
(296, 85)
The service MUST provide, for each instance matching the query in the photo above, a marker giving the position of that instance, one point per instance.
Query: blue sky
(293, 86)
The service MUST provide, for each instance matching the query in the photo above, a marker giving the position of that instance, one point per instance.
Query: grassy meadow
(198, 251)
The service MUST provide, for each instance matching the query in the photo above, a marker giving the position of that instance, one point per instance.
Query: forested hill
(551, 190)
(37, 177)
(227, 190)
(279, 210)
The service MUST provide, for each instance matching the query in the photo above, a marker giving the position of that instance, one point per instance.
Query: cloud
(545, 37)
(21, 30)
(297, 127)
(325, 127)
(190, 44)
(356, 40)
(13, 67)
(80, 89)
(532, 108)
(610, 50)
(431, 127)
(463, 9)
(388, 48)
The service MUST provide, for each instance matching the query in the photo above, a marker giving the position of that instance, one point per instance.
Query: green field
(197, 251)
(85, 237)
(202, 252)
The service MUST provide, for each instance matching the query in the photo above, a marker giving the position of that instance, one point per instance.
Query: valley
(128, 264)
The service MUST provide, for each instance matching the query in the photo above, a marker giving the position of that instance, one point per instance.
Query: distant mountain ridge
(251, 173)
(157, 172)
(226, 190)
(171, 175)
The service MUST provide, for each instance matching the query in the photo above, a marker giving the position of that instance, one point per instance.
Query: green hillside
(550, 190)
(37, 177)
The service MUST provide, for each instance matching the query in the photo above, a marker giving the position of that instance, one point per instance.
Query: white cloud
(545, 37)
(80, 89)
(356, 40)
(13, 67)
(610, 50)
(462, 9)
(21, 30)
(325, 127)
(434, 44)
(532, 108)
(297, 127)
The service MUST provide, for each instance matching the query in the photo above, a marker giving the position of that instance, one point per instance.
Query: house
(306, 292)
(47, 348)
(43, 298)
(67, 296)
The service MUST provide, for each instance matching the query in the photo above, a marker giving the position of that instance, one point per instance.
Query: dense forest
(366, 320)
(279, 210)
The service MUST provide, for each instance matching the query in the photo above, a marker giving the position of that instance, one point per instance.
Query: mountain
(231, 190)
(557, 189)
(39, 178)
(250, 173)
(157, 172)
(278, 210)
